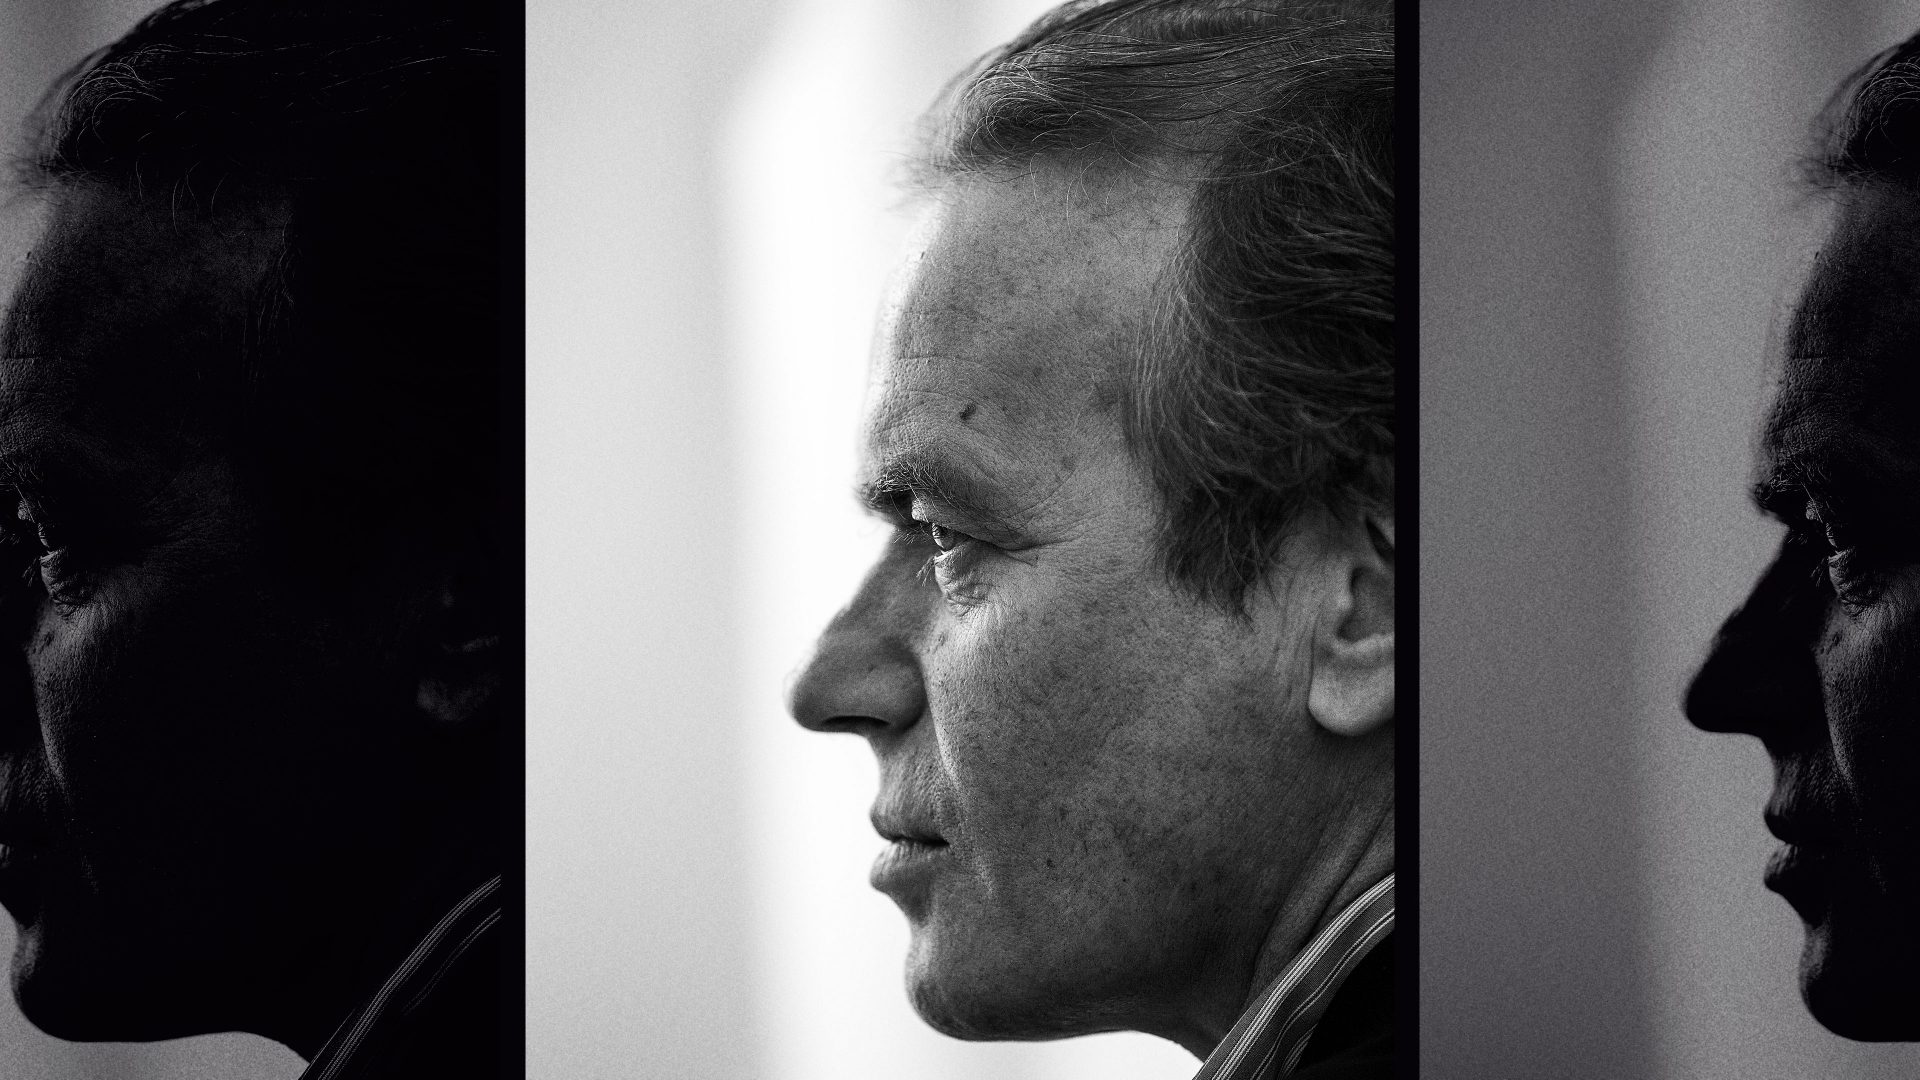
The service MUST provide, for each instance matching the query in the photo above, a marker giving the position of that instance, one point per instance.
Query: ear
(1351, 689)
(461, 657)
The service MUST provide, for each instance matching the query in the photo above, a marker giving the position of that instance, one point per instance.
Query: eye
(21, 532)
(1839, 539)
(20, 541)
(954, 563)
(946, 538)
(1837, 545)
(1828, 533)
(35, 548)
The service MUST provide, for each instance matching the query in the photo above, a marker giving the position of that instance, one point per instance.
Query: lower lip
(1801, 877)
(904, 860)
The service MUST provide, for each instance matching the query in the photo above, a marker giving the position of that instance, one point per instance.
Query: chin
(978, 993)
(94, 998)
(1869, 995)
(980, 1014)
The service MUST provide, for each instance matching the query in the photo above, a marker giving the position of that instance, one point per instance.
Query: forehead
(108, 285)
(116, 315)
(1020, 307)
(1850, 382)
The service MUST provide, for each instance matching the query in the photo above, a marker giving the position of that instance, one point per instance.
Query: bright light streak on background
(814, 222)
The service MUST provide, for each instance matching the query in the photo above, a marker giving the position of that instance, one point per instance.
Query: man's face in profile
(1822, 662)
(1079, 762)
(181, 723)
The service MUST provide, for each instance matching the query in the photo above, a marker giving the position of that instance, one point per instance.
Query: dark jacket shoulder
(1354, 1039)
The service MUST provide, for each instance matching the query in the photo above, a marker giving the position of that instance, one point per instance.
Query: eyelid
(927, 510)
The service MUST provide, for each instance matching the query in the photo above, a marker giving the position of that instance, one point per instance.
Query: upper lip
(1790, 829)
(902, 827)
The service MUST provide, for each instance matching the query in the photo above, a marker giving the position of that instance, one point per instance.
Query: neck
(346, 965)
(1351, 860)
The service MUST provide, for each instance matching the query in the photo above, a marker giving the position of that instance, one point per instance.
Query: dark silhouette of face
(1822, 661)
(206, 748)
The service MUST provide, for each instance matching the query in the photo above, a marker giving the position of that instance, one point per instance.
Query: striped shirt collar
(1270, 1036)
(410, 984)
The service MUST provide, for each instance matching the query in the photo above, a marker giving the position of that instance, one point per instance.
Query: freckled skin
(1833, 692)
(1129, 785)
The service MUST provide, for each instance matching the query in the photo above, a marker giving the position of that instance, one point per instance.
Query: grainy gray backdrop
(1609, 235)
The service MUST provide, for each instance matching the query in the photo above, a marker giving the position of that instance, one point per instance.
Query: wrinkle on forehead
(1861, 302)
(1024, 304)
(1002, 433)
(957, 390)
(1850, 384)
(1077, 254)
(112, 278)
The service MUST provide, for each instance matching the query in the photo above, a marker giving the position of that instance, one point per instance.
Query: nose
(863, 676)
(1759, 678)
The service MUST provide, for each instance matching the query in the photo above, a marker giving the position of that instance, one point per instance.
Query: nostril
(851, 725)
(1760, 686)
(856, 683)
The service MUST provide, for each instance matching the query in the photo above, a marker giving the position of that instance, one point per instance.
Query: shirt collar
(410, 984)
(1270, 1035)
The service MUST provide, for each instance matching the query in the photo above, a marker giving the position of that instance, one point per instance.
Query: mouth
(913, 850)
(1801, 871)
(1790, 830)
(905, 861)
(1801, 876)
(910, 835)
(19, 891)
(897, 825)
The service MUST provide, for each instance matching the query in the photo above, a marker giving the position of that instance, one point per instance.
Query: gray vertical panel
(1529, 830)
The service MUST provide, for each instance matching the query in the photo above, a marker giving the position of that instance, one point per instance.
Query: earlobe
(1351, 689)
(1352, 694)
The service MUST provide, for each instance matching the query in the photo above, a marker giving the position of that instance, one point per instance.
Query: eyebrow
(890, 490)
(21, 471)
(1842, 466)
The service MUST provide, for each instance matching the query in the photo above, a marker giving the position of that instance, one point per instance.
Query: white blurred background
(1610, 238)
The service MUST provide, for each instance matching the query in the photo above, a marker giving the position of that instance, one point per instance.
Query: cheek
(78, 662)
(148, 701)
(1016, 702)
(1074, 730)
(1870, 674)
